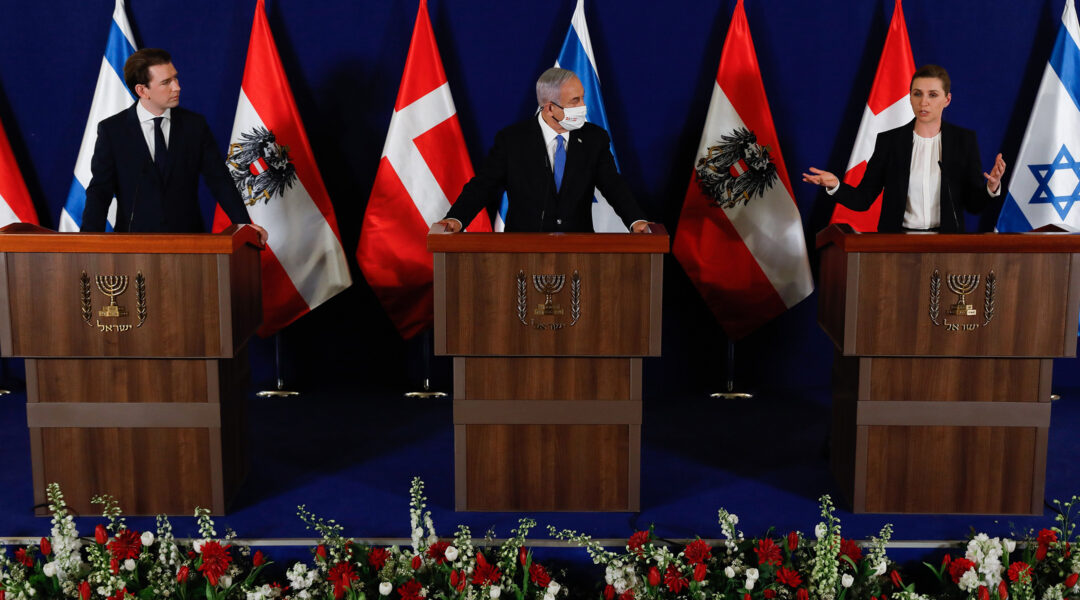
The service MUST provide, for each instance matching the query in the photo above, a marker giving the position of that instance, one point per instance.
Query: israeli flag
(577, 55)
(1045, 184)
(111, 96)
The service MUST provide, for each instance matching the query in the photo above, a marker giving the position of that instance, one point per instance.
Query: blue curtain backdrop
(657, 62)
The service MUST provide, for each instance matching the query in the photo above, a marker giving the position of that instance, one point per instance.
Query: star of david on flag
(1045, 185)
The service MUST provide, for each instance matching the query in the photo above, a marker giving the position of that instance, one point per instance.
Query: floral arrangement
(118, 563)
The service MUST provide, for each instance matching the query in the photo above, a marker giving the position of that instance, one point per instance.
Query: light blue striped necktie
(560, 161)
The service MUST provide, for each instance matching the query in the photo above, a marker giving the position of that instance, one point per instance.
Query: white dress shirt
(146, 121)
(924, 184)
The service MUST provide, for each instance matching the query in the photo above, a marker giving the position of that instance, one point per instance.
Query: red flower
(746, 596)
(768, 553)
(458, 580)
(258, 559)
(850, 549)
(1020, 572)
(437, 552)
(1071, 579)
(637, 541)
(539, 575)
(958, 567)
(84, 590)
(802, 594)
(896, 579)
(984, 594)
(410, 590)
(125, 545)
(100, 535)
(342, 576)
(24, 557)
(182, 574)
(769, 593)
(945, 560)
(788, 577)
(485, 572)
(674, 580)
(627, 595)
(119, 595)
(654, 577)
(320, 551)
(1046, 537)
(1003, 590)
(114, 566)
(215, 561)
(697, 552)
(792, 541)
(416, 561)
(609, 592)
(377, 557)
(699, 572)
(523, 555)
(46, 547)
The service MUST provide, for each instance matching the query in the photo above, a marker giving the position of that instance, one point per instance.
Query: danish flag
(424, 165)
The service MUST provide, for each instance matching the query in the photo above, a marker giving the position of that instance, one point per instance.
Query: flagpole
(729, 368)
(280, 391)
(426, 392)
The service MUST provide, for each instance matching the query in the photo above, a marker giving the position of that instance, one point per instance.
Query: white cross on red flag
(424, 165)
(887, 108)
(304, 263)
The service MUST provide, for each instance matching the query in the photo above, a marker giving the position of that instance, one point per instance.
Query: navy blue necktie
(560, 161)
(160, 149)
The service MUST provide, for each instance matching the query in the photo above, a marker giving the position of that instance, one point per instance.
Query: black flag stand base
(4, 391)
(280, 391)
(730, 393)
(426, 392)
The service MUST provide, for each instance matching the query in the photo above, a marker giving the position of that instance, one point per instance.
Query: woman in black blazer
(926, 171)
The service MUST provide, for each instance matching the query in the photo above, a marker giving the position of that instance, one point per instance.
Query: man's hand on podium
(639, 227)
(452, 225)
(263, 235)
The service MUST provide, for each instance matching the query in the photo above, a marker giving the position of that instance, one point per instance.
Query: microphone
(952, 200)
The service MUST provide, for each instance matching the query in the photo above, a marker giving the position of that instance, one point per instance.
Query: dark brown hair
(137, 67)
(933, 71)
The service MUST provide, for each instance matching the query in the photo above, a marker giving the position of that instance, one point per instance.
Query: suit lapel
(545, 173)
(575, 159)
(137, 138)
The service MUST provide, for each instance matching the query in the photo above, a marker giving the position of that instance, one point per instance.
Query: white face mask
(573, 117)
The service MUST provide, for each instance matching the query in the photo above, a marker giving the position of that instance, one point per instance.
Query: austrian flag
(271, 161)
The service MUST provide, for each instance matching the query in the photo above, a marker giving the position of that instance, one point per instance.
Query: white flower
(752, 573)
(553, 588)
(49, 569)
(197, 546)
(451, 553)
(147, 538)
(226, 581)
(880, 568)
(549, 596)
(820, 530)
(385, 588)
(847, 580)
(734, 519)
(730, 572)
(129, 565)
(494, 592)
(969, 581)
(1010, 545)
(750, 583)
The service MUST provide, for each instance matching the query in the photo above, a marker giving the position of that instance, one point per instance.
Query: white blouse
(924, 185)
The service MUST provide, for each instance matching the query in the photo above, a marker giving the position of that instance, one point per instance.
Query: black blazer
(149, 202)
(889, 168)
(519, 164)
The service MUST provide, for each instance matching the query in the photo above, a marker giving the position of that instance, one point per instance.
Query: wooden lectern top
(25, 237)
(654, 242)
(847, 240)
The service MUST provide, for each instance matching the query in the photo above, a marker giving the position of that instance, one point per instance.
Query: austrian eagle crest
(736, 169)
(260, 167)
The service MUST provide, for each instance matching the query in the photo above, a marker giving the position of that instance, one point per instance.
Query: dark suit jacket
(149, 202)
(889, 168)
(519, 163)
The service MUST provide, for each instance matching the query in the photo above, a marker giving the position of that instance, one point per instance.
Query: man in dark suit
(549, 166)
(150, 156)
(927, 171)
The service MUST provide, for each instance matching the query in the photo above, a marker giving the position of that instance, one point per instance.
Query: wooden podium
(547, 333)
(941, 384)
(136, 362)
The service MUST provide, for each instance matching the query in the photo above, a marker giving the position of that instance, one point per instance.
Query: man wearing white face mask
(549, 166)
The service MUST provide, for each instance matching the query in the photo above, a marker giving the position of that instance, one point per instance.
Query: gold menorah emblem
(112, 286)
(548, 285)
(962, 285)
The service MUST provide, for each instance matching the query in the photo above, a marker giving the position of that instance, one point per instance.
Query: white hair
(549, 86)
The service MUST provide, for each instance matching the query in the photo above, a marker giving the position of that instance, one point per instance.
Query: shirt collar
(145, 115)
(549, 133)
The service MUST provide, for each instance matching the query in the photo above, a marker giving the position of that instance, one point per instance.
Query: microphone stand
(280, 391)
(729, 369)
(426, 392)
